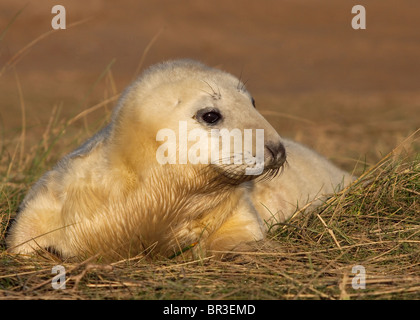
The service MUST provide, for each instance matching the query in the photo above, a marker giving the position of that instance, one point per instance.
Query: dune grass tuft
(374, 223)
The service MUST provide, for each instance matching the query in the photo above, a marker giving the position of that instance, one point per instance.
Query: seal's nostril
(281, 154)
(269, 148)
(277, 151)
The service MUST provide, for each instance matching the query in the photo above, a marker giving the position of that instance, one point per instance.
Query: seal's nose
(278, 153)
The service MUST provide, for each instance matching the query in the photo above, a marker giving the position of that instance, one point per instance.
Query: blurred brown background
(350, 94)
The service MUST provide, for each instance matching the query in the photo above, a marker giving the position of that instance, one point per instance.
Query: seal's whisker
(212, 89)
(244, 84)
(238, 86)
(211, 95)
(215, 95)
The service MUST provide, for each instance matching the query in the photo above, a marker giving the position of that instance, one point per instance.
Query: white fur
(111, 197)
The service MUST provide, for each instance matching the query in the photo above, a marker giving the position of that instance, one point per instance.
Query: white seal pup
(114, 198)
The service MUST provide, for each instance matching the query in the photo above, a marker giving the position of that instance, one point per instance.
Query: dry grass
(374, 223)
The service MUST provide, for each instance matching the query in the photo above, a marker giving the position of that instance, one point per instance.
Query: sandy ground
(351, 94)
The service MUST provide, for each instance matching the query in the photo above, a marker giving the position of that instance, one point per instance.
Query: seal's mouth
(236, 176)
(238, 168)
(274, 161)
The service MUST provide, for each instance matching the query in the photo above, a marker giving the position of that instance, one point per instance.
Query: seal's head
(183, 112)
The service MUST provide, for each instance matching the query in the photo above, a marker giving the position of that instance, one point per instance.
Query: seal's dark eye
(211, 117)
(253, 103)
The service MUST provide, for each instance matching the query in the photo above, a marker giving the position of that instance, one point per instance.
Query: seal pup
(112, 197)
